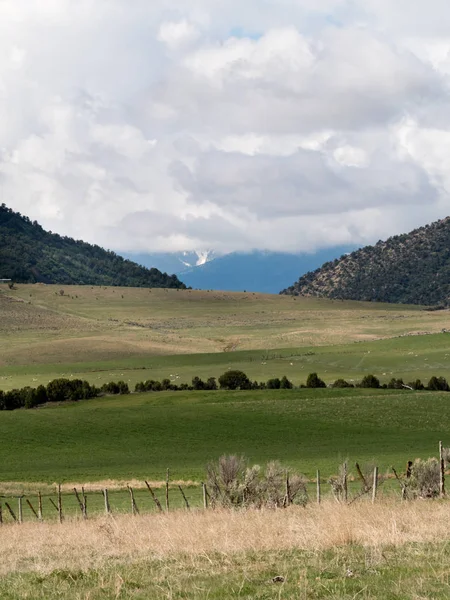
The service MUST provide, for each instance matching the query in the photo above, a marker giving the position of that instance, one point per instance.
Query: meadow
(108, 334)
(140, 436)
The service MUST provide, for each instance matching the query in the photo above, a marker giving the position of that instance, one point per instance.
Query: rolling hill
(412, 268)
(29, 254)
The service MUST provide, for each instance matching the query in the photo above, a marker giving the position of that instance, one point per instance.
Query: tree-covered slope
(413, 268)
(29, 254)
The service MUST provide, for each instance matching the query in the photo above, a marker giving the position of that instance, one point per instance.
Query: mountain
(265, 272)
(172, 262)
(29, 254)
(412, 268)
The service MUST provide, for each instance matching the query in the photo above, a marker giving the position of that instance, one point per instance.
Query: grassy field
(386, 551)
(390, 551)
(407, 357)
(41, 326)
(97, 334)
(140, 436)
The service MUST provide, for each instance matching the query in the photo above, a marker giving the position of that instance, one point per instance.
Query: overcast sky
(167, 125)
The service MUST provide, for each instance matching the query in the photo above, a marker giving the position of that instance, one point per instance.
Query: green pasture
(140, 436)
(409, 357)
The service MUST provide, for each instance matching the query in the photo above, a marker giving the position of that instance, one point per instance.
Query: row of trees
(230, 380)
(62, 390)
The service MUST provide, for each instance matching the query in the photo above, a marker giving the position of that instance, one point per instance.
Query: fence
(138, 499)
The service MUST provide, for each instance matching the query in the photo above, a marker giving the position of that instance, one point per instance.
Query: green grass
(139, 436)
(412, 357)
(410, 572)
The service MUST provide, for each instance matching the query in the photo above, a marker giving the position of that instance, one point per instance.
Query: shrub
(211, 384)
(198, 384)
(314, 381)
(370, 381)
(274, 384)
(232, 482)
(341, 383)
(438, 384)
(416, 385)
(234, 380)
(395, 384)
(285, 384)
(424, 480)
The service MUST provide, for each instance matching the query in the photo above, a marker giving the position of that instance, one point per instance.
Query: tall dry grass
(86, 545)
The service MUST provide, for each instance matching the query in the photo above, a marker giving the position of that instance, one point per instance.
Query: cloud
(284, 125)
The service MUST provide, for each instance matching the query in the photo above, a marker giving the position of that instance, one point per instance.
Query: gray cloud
(285, 125)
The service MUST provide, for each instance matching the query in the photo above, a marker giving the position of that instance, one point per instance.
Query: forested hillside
(29, 254)
(413, 268)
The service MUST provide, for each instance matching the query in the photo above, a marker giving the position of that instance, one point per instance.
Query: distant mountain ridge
(257, 271)
(412, 268)
(29, 254)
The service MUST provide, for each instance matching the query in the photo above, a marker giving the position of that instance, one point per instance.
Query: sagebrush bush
(232, 483)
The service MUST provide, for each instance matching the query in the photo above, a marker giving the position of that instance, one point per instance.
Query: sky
(283, 125)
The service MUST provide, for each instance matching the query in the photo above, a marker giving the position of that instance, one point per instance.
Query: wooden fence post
(153, 495)
(39, 506)
(375, 484)
(205, 495)
(1, 514)
(441, 471)
(32, 509)
(345, 482)
(318, 490)
(85, 514)
(184, 497)
(287, 496)
(134, 508)
(20, 509)
(11, 512)
(167, 490)
(60, 512)
(107, 506)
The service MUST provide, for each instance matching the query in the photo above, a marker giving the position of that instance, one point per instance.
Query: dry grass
(92, 544)
(17, 488)
(40, 326)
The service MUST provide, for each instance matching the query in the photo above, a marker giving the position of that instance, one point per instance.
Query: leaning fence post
(134, 508)
(441, 471)
(345, 482)
(167, 490)
(32, 509)
(375, 484)
(80, 504)
(185, 499)
(157, 502)
(39, 506)
(60, 512)
(11, 512)
(107, 507)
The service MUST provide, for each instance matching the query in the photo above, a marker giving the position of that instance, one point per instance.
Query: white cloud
(288, 124)
(177, 34)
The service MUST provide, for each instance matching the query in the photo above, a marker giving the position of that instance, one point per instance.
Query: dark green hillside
(28, 254)
(413, 268)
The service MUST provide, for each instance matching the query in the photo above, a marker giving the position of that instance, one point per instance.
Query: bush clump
(370, 381)
(314, 381)
(232, 483)
(234, 380)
